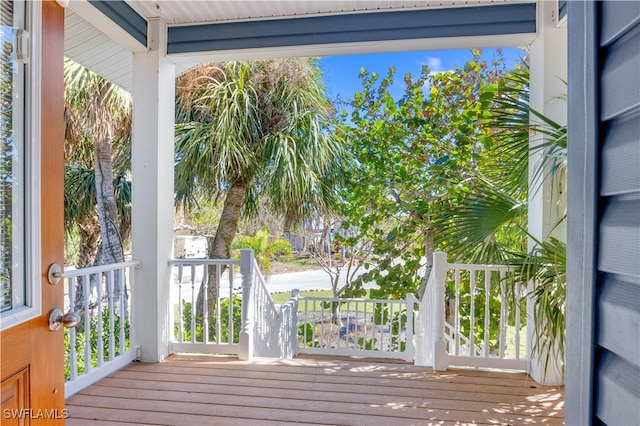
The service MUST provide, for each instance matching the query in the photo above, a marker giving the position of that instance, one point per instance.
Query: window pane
(12, 177)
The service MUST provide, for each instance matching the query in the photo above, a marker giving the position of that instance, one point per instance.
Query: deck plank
(188, 389)
(519, 380)
(433, 400)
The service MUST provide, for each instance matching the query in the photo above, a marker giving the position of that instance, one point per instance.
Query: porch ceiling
(198, 11)
(102, 35)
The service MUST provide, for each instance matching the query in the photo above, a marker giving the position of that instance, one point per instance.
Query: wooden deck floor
(206, 390)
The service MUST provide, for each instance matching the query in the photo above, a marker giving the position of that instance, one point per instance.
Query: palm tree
(264, 248)
(97, 161)
(98, 118)
(251, 131)
(489, 225)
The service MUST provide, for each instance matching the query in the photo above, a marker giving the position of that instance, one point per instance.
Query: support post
(293, 336)
(152, 158)
(245, 352)
(438, 312)
(547, 201)
(410, 349)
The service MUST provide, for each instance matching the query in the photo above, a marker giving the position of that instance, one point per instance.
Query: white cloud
(434, 64)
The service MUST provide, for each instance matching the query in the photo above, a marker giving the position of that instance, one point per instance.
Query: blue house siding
(603, 293)
(617, 326)
(124, 15)
(519, 18)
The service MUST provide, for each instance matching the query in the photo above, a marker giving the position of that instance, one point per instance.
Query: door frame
(30, 349)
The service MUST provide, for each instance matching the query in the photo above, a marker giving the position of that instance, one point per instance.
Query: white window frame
(32, 278)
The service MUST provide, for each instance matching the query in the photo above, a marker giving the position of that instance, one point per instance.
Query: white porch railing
(233, 324)
(263, 320)
(475, 326)
(464, 319)
(102, 342)
(357, 327)
(288, 337)
(212, 328)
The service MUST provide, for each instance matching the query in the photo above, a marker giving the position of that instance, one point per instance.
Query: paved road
(306, 280)
(281, 283)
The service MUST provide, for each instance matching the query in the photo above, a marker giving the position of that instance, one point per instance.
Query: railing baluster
(373, 324)
(472, 317)
(110, 305)
(232, 332)
(73, 356)
(306, 321)
(394, 322)
(194, 310)
(390, 324)
(205, 306)
(123, 310)
(457, 311)
(323, 338)
(87, 325)
(487, 311)
(357, 319)
(410, 328)
(503, 315)
(382, 324)
(180, 303)
(99, 323)
(517, 291)
(219, 305)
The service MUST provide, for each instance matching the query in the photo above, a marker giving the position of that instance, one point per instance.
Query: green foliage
(416, 157)
(445, 166)
(306, 335)
(227, 328)
(263, 249)
(262, 124)
(367, 344)
(94, 107)
(280, 247)
(546, 265)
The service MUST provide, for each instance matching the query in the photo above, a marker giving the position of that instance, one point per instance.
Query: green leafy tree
(490, 222)
(264, 248)
(416, 156)
(446, 166)
(255, 130)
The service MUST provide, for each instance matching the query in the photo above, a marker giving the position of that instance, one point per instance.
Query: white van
(190, 247)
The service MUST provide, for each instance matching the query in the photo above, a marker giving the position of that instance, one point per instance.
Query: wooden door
(32, 370)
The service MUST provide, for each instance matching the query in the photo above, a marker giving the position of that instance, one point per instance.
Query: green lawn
(511, 342)
(280, 298)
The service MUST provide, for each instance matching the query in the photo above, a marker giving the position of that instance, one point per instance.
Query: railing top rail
(262, 283)
(100, 268)
(349, 300)
(476, 267)
(178, 262)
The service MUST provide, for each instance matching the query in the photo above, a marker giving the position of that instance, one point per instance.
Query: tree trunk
(111, 250)
(87, 254)
(429, 248)
(220, 248)
(89, 243)
(111, 246)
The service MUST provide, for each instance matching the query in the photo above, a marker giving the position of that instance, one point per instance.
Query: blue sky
(341, 72)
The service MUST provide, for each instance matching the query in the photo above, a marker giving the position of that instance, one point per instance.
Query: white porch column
(152, 192)
(548, 90)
